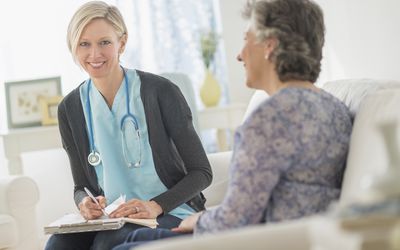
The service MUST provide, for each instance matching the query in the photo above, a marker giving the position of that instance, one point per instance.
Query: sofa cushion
(352, 91)
(8, 231)
(220, 166)
(367, 154)
(371, 102)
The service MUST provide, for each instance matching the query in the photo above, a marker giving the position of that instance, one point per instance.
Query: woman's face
(98, 48)
(252, 56)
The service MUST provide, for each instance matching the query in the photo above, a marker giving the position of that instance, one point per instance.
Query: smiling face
(99, 48)
(253, 57)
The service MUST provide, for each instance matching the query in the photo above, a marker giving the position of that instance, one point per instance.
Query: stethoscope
(94, 157)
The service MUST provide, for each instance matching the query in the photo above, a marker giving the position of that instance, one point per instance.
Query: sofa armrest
(18, 198)
(220, 167)
(286, 235)
(17, 192)
(8, 231)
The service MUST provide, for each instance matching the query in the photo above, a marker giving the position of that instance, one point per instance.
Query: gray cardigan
(179, 157)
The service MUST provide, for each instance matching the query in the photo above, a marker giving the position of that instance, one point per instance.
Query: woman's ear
(269, 46)
(123, 40)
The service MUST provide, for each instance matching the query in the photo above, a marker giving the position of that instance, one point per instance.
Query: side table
(18, 141)
(222, 118)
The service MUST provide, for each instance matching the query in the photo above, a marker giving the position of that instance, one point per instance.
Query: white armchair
(372, 101)
(18, 198)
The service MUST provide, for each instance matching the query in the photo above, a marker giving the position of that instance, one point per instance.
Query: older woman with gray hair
(289, 155)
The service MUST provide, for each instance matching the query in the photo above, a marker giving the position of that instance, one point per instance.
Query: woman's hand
(138, 209)
(90, 210)
(188, 224)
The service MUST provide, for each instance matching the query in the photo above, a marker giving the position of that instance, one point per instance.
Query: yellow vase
(210, 91)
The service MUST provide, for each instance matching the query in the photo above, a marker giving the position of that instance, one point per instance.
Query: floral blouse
(288, 161)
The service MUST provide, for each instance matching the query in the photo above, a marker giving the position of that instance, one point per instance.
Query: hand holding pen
(91, 207)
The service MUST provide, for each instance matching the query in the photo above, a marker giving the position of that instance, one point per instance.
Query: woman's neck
(108, 86)
(273, 84)
(298, 84)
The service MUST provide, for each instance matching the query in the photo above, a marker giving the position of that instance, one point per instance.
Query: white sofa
(380, 100)
(18, 198)
(372, 102)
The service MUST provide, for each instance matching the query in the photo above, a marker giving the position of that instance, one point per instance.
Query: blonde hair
(87, 13)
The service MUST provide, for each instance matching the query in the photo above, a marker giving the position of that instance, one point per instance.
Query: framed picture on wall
(23, 100)
(49, 106)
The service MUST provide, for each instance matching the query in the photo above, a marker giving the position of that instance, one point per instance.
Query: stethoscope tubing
(93, 151)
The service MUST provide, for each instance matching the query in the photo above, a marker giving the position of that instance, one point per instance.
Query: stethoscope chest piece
(94, 158)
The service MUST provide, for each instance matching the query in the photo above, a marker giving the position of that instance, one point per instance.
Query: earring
(266, 56)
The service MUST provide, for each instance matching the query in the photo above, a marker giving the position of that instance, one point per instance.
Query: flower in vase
(208, 42)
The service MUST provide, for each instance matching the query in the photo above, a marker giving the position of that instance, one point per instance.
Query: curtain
(164, 36)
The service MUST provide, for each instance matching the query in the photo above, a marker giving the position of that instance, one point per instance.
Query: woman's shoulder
(275, 103)
(156, 85)
(291, 102)
(302, 97)
(72, 98)
(153, 81)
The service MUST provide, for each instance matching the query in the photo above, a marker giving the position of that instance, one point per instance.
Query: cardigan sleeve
(74, 146)
(177, 120)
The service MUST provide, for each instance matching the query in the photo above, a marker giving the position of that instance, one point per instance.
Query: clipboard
(75, 223)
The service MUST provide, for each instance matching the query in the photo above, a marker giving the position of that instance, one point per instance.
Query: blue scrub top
(113, 174)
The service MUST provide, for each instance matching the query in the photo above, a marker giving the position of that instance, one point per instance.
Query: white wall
(233, 28)
(362, 41)
(33, 44)
(364, 35)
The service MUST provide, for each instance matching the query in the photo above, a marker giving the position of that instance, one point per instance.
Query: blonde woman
(126, 132)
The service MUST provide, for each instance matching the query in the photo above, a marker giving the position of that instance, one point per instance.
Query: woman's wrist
(157, 208)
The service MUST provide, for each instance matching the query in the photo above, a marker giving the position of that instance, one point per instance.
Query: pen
(94, 200)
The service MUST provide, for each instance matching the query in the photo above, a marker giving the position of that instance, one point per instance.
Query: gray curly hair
(298, 25)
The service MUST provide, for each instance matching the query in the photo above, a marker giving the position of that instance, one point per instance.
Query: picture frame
(49, 106)
(23, 100)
